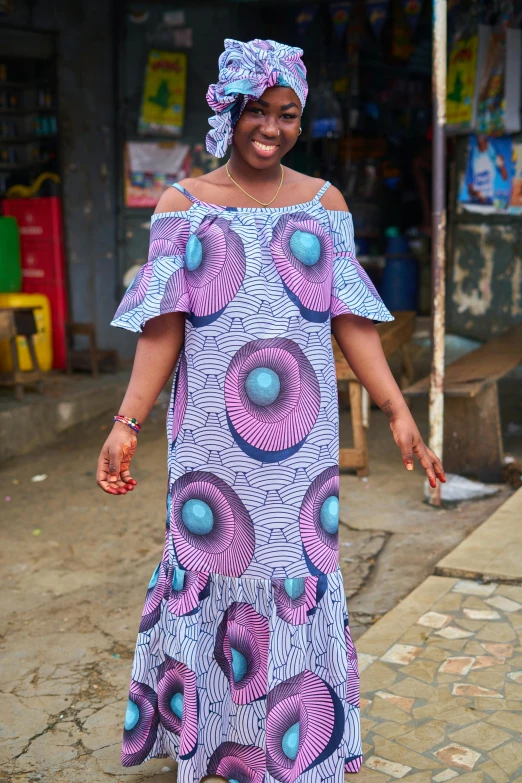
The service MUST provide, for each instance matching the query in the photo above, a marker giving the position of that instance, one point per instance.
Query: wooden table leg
(359, 433)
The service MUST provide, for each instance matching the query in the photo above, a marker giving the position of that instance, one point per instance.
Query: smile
(265, 147)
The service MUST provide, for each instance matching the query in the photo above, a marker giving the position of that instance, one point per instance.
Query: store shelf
(10, 112)
(27, 139)
(23, 166)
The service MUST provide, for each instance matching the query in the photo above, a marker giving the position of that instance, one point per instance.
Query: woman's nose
(270, 130)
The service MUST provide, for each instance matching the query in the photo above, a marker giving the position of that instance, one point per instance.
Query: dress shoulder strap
(318, 196)
(186, 193)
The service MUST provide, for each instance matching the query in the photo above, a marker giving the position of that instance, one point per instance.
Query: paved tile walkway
(487, 555)
(441, 682)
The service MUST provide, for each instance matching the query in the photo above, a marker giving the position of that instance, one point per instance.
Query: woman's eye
(289, 116)
(256, 111)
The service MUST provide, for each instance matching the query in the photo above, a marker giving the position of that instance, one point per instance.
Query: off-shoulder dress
(244, 664)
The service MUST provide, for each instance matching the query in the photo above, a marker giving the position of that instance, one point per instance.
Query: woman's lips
(265, 150)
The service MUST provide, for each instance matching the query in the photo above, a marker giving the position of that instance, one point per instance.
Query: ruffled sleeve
(160, 286)
(352, 290)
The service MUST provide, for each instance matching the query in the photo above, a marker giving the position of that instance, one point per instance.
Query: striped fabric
(245, 667)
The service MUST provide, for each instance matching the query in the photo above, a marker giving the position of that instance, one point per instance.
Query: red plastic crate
(43, 260)
(38, 218)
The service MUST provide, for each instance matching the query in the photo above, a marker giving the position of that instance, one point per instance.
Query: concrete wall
(87, 96)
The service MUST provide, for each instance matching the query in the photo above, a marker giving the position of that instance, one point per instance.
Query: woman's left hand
(408, 439)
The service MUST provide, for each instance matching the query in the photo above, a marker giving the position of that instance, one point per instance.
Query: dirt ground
(75, 568)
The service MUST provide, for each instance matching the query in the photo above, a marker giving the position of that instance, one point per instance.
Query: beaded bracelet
(132, 423)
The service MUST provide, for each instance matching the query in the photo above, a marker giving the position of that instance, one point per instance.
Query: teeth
(264, 146)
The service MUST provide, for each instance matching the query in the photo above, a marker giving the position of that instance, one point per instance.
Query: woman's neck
(240, 169)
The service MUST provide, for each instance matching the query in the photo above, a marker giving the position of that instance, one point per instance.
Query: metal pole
(436, 415)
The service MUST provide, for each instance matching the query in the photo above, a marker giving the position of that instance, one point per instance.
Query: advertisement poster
(516, 189)
(150, 167)
(488, 178)
(491, 82)
(461, 83)
(163, 103)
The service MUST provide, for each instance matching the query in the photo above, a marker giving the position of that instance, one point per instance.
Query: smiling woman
(245, 668)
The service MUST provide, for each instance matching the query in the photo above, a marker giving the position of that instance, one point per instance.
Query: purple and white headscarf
(246, 70)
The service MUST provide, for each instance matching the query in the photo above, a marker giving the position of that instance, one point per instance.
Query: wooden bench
(472, 429)
(395, 335)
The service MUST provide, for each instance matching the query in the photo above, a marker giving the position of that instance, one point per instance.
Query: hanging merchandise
(305, 17)
(325, 113)
(402, 39)
(461, 83)
(412, 10)
(163, 103)
(498, 82)
(377, 11)
(139, 17)
(339, 14)
(489, 175)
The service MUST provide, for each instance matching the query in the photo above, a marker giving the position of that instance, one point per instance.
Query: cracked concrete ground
(75, 568)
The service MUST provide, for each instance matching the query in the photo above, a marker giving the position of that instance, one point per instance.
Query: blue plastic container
(400, 276)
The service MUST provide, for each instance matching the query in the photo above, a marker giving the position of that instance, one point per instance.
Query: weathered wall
(87, 105)
(484, 295)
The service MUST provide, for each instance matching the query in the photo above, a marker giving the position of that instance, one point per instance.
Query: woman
(245, 668)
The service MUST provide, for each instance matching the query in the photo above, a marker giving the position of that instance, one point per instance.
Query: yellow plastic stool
(42, 340)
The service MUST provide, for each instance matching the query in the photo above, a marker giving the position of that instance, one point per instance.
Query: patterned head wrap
(246, 70)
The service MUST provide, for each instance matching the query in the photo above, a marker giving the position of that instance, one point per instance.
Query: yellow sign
(163, 104)
(461, 82)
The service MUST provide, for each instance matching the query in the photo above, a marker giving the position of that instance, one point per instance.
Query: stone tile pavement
(441, 675)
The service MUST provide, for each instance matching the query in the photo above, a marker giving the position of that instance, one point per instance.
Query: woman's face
(268, 128)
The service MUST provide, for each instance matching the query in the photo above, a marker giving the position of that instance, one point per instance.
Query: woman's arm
(360, 343)
(157, 352)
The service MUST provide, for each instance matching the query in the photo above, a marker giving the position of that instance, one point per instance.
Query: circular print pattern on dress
(304, 725)
(178, 703)
(241, 763)
(272, 397)
(241, 652)
(303, 254)
(211, 529)
(295, 598)
(155, 594)
(179, 398)
(319, 521)
(168, 237)
(141, 724)
(189, 588)
(214, 268)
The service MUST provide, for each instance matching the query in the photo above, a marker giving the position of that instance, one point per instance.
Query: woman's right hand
(113, 473)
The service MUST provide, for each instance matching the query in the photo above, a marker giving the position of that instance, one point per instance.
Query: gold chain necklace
(263, 203)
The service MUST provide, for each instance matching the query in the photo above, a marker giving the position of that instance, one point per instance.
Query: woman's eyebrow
(282, 108)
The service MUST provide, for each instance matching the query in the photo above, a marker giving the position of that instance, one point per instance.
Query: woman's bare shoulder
(173, 200)
(333, 199)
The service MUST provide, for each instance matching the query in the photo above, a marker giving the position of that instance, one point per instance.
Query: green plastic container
(10, 263)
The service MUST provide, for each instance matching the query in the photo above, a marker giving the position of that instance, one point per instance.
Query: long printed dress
(244, 665)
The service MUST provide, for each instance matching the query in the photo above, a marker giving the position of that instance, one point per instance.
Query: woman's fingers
(407, 453)
(115, 454)
(430, 463)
